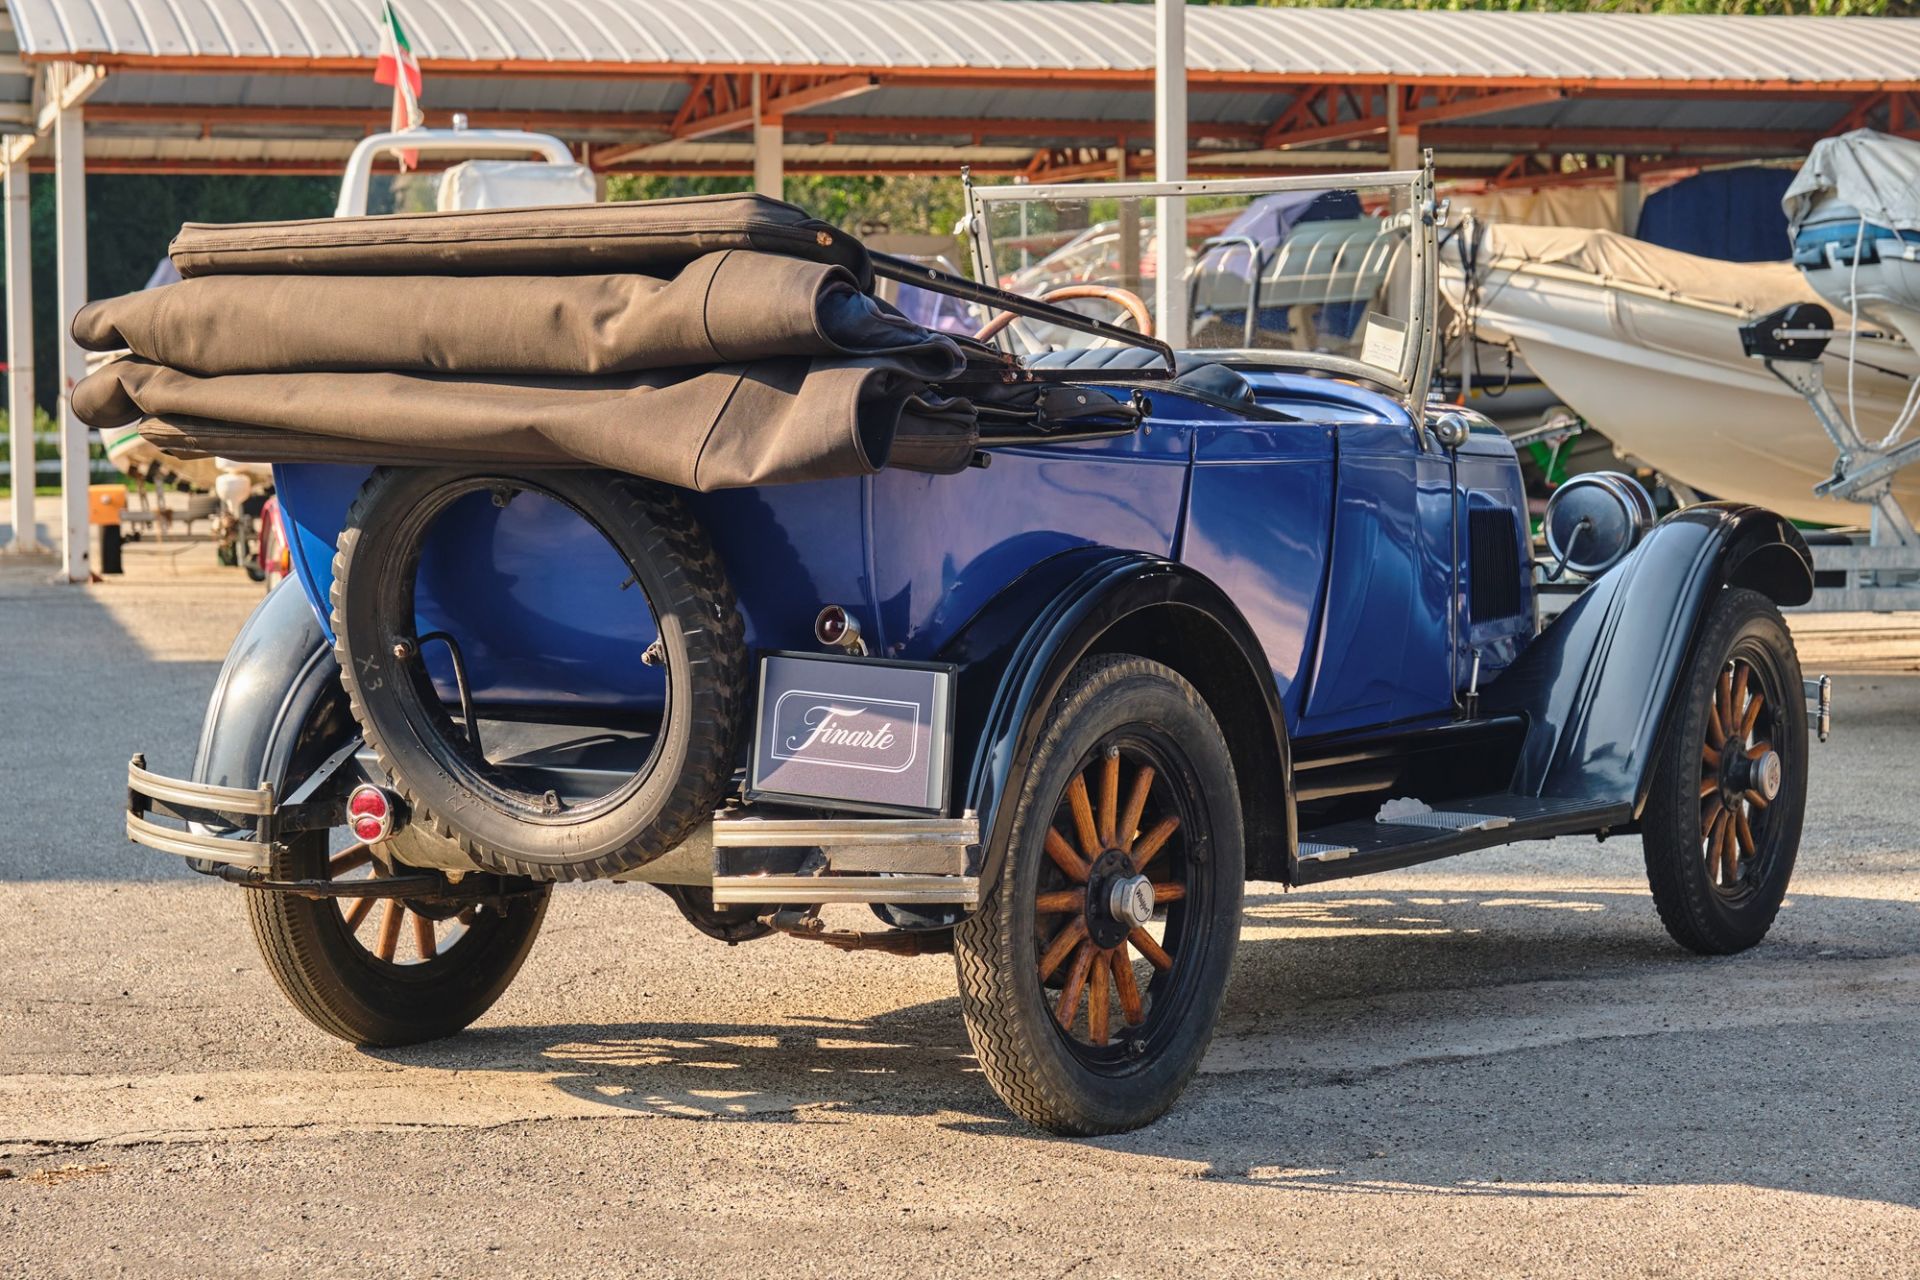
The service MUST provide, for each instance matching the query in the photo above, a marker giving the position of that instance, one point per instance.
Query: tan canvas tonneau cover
(708, 343)
(652, 236)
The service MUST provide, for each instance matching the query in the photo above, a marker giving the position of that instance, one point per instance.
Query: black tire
(1050, 1074)
(343, 987)
(448, 786)
(1719, 851)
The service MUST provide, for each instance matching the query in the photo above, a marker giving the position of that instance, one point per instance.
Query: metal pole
(1170, 165)
(70, 200)
(26, 536)
(1627, 196)
(769, 140)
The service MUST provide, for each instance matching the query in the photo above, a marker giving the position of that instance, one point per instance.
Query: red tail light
(370, 811)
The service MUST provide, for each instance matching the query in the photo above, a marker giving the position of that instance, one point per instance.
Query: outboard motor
(1854, 214)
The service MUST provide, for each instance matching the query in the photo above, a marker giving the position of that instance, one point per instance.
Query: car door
(1382, 654)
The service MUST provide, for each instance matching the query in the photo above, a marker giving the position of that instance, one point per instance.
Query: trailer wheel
(1722, 824)
(1091, 975)
(502, 817)
(386, 971)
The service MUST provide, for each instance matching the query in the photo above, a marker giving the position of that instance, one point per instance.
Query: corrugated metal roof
(1012, 36)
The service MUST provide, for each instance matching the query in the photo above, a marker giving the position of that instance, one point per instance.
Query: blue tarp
(1733, 215)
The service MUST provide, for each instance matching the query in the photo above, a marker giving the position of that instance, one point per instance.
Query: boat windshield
(1324, 272)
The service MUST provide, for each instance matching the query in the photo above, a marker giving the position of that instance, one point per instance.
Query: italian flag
(400, 68)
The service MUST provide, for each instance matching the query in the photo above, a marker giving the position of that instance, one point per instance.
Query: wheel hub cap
(1130, 900)
(1766, 775)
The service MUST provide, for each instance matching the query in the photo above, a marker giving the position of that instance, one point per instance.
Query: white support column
(20, 350)
(1403, 143)
(1170, 165)
(769, 142)
(70, 199)
(1626, 191)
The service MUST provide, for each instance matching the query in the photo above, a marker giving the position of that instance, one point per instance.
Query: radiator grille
(1493, 563)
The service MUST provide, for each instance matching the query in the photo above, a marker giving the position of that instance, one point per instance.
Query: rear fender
(278, 709)
(1597, 685)
(1016, 654)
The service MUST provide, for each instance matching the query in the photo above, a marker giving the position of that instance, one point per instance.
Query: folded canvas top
(775, 421)
(1612, 258)
(732, 305)
(653, 237)
(708, 343)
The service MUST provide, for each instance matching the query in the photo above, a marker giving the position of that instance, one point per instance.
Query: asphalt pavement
(1493, 1065)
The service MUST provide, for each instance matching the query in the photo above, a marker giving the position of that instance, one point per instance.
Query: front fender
(1016, 654)
(278, 706)
(1597, 685)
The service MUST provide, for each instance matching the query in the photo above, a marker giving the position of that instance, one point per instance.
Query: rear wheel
(386, 971)
(1722, 824)
(1091, 975)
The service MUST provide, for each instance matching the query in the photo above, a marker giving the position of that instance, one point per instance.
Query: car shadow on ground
(1378, 1041)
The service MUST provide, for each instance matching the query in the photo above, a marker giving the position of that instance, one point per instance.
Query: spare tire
(450, 787)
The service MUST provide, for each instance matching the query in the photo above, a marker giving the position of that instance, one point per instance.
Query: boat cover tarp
(1730, 214)
(1612, 258)
(724, 364)
(1877, 173)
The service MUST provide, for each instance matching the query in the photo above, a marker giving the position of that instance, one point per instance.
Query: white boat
(1644, 343)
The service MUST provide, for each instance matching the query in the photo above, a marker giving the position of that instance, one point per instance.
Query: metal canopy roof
(993, 36)
(1012, 85)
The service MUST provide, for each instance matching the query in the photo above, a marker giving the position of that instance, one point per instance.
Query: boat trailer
(1882, 572)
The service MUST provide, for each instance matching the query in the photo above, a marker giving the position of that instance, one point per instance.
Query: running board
(1406, 833)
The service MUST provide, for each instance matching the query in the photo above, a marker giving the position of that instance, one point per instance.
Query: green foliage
(130, 219)
(866, 206)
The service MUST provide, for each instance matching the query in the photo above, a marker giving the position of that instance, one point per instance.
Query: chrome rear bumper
(904, 861)
(249, 814)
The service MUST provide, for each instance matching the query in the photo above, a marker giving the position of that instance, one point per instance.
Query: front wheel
(1723, 815)
(387, 971)
(1091, 976)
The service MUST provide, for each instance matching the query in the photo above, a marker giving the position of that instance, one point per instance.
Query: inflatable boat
(1644, 343)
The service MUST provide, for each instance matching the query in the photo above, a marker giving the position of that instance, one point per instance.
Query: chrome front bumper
(1819, 693)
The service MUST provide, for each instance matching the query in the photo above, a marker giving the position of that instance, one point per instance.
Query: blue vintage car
(1262, 613)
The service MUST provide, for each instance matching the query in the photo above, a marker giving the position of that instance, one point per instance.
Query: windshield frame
(1408, 382)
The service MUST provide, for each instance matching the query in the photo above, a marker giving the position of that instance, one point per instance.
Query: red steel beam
(364, 118)
(1603, 139)
(1301, 125)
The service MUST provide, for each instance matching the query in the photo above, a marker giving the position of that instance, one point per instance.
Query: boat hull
(1666, 381)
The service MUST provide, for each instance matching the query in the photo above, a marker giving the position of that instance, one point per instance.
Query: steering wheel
(1126, 299)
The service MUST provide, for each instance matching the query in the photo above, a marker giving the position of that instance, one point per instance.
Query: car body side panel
(1257, 523)
(537, 603)
(944, 546)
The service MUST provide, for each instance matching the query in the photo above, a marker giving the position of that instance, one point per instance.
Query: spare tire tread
(697, 587)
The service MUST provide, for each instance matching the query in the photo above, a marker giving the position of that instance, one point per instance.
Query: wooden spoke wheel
(388, 971)
(1108, 882)
(1091, 975)
(1722, 824)
(1740, 777)
(396, 930)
